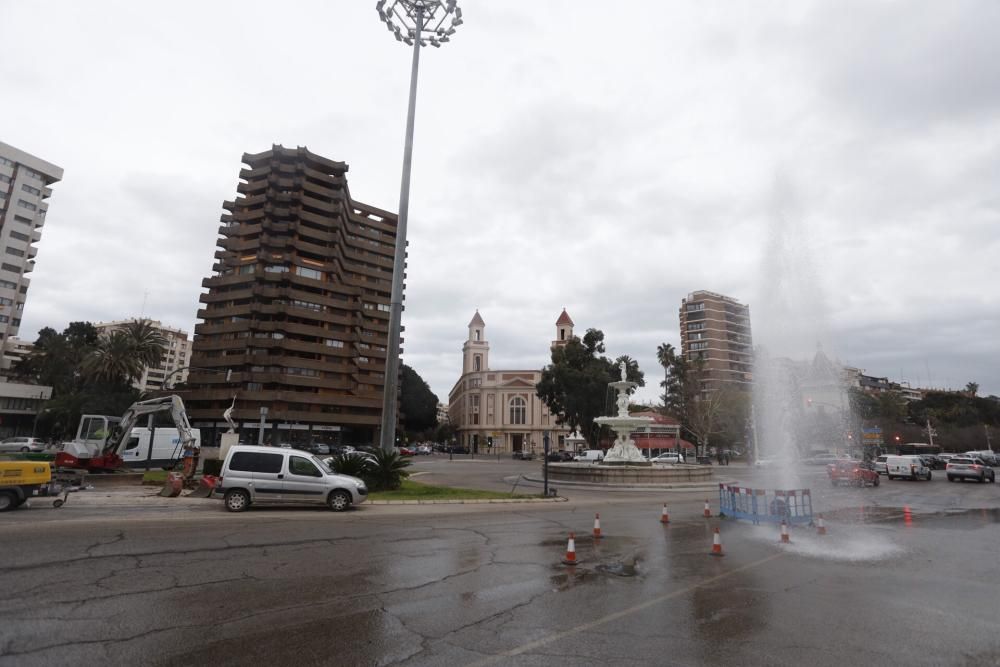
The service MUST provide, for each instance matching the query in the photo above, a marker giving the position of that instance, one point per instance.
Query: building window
(19, 236)
(308, 273)
(271, 268)
(696, 326)
(27, 205)
(518, 410)
(477, 334)
(695, 307)
(247, 268)
(6, 284)
(562, 334)
(330, 342)
(699, 346)
(34, 191)
(4, 179)
(15, 252)
(477, 363)
(16, 269)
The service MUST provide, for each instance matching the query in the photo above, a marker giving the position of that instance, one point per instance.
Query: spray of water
(800, 401)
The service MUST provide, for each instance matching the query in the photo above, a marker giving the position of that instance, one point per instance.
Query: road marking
(524, 648)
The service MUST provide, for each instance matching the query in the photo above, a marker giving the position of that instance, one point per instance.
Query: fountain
(624, 465)
(624, 451)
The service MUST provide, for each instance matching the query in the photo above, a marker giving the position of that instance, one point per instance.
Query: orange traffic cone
(820, 526)
(570, 551)
(708, 510)
(597, 526)
(784, 533)
(664, 518)
(717, 544)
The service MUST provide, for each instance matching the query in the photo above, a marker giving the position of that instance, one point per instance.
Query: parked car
(964, 468)
(20, 444)
(424, 449)
(668, 457)
(987, 455)
(880, 464)
(263, 475)
(909, 466)
(934, 462)
(522, 455)
(456, 449)
(852, 473)
(407, 451)
(820, 459)
(590, 456)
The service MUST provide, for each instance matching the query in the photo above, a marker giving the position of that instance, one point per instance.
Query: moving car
(964, 468)
(880, 464)
(269, 475)
(852, 473)
(20, 444)
(909, 466)
(667, 457)
(424, 449)
(590, 456)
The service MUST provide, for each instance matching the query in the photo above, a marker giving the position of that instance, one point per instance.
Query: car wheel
(876, 481)
(237, 500)
(339, 500)
(928, 475)
(950, 478)
(8, 501)
(25, 450)
(982, 478)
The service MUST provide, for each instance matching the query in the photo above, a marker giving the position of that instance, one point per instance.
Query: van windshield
(322, 466)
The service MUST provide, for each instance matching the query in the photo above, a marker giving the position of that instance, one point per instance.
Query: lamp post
(414, 22)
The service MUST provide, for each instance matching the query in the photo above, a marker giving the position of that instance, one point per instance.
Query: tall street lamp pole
(414, 22)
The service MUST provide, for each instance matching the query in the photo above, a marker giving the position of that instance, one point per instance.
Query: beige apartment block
(173, 370)
(24, 194)
(498, 411)
(716, 329)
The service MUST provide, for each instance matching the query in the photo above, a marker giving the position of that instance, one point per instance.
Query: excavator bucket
(205, 487)
(173, 486)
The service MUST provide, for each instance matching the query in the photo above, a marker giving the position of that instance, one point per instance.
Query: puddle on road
(619, 569)
(958, 518)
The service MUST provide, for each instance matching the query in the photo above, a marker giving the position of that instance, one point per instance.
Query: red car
(852, 473)
(407, 451)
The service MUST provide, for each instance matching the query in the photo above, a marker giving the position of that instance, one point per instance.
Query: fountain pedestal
(624, 451)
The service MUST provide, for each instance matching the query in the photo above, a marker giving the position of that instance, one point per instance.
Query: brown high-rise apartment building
(296, 317)
(716, 329)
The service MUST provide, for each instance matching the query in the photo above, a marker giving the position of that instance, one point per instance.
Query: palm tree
(113, 360)
(148, 343)
(666, 355)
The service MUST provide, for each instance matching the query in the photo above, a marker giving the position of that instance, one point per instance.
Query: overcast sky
(834, 165)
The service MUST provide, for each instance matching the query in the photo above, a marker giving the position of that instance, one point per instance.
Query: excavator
(96, 450)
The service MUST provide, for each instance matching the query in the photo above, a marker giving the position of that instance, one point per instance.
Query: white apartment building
(175, 361)
(24, 193)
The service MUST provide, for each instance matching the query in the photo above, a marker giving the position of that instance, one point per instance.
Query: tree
(972, 388)
(418, 403)
(666, 355)
(113, 360)
(148, 344)
(575, 385)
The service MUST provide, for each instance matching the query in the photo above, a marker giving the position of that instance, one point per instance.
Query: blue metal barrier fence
(793, 506)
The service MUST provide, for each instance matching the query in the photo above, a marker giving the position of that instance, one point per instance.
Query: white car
(22, 445)
(880, 464)
(668, 457)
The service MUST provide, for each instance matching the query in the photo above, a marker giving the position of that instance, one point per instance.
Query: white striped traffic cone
(570, 551)
(664, 518)
(597, 526)
(784, 533)
(708, 510)
(717, 544)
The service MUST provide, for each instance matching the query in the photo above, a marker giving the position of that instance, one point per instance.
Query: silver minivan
(271, 475)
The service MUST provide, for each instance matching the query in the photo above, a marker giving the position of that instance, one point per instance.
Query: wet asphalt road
(909, 574)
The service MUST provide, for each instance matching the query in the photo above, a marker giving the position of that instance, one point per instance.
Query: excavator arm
(172, 404)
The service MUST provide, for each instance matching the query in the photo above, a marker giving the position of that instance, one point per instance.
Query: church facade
(498, 411)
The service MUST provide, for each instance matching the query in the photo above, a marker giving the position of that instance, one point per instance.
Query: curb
(681, 486)
(471, 501)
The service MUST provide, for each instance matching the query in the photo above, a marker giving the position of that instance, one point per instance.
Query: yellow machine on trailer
(21, 480)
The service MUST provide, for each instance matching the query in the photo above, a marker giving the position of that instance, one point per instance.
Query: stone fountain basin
(599, 473)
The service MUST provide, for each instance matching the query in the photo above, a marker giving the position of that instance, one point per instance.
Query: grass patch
(154, 477)
(417, 491)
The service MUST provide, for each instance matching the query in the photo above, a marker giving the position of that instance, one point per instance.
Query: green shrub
(351, 464)
(387, 472)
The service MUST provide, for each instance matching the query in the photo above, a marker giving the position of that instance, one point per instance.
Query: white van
(590, 456)
(166, 447)
(253, 474)
(909, 466)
